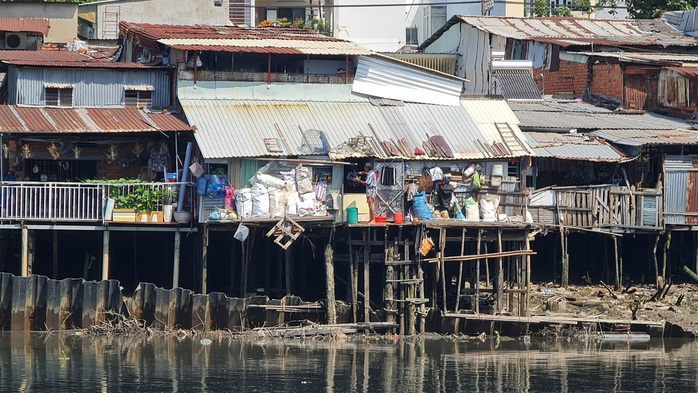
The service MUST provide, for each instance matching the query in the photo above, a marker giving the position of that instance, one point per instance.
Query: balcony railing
(70, 202)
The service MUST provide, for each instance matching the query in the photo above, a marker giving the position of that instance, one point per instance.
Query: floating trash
(206, 341)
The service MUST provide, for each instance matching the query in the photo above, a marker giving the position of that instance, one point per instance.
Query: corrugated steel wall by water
(91, 88)
(676, 169)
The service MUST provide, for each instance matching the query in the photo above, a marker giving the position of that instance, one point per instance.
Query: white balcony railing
(66, 202)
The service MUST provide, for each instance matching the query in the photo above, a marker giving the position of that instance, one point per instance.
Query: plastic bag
(241, 233)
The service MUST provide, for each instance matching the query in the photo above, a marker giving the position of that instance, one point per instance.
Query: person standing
(371, 191)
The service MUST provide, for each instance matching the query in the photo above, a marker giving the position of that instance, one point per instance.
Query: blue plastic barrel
(352, 215)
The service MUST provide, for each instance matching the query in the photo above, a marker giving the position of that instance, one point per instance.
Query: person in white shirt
(371, 192)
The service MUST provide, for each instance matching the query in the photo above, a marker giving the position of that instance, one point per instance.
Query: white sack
(260, 201)
(243, 203)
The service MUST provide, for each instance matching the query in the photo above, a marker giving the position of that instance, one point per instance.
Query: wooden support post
(204, 259)
(287, 268)
(527, 243)
(488, 283)
(329, 272)
(105, 255)
(564, 280)
(243, 259)
(665, 259)
(231, 262)
(354, 276)
(26, 264)
(460, 271)
(500, 274)
(615, 257)
(367, 278)
(55, 254)
(476, 296)
(620, 261)
(175, 259)
(442, 265)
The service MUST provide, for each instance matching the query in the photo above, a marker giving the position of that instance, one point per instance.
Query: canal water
(70, 363)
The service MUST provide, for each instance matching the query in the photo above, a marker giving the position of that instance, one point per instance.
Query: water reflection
(68, 363)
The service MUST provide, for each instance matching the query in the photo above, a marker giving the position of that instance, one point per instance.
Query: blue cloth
(420, 208)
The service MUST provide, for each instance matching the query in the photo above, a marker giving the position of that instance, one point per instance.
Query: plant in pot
(124, 205)
(146, 203)
(167, 198)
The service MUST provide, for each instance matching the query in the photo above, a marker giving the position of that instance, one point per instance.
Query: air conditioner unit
(15, 41)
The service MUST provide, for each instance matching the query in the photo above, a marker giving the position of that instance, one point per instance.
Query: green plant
(145, 198)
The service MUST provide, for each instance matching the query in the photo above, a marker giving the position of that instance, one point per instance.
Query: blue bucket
(352, 215)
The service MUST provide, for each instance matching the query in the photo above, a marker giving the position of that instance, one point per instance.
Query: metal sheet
(676, 169)
(237, 128)
(25, 25)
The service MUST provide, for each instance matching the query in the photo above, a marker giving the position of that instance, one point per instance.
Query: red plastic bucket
(398, 218)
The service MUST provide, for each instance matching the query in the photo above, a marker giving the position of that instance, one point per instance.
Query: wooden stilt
(367, 278)
(476, 297)
(667, 259)
(442, 266)
(460, 271)
(55, 254)
(175, 259)
(329, 273)
(105, 255)
(204, 260)
(231, 263)
(488, 283)
(26, 265)
(615, 256)
(620, 261)
(500, 274)
(564, 280)
(243, 261)
(354, 276)
(527, 244)
(287, 269)
(135, 258)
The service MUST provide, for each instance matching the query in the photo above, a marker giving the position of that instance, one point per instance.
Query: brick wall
(607, 81)
(570, 78)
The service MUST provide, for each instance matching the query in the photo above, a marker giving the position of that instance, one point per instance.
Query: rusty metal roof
(649, 137)
(25, 25)
(575, 31)
(688, 72)
(69, 59)
(83, 120)
(148, 36)
(572, 147)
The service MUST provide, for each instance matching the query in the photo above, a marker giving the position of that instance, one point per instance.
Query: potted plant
(167, 198)
(146, 203)
(124, 206)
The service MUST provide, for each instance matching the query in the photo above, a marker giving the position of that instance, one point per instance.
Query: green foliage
(561, 12)
(651, 9)
(540, 8)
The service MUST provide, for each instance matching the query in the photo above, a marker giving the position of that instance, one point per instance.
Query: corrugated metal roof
(572, 147)
(689, 72)
(649, 137)
(46, 120)
(565, 116)
(25, 25)
(292, 46)
(148, 35)
(517, 84)
(490, 116)
(43, 55)
(381, 76)
(584, 31)
(645, 57)
(80, 64)
(575, 31)
(237, 128)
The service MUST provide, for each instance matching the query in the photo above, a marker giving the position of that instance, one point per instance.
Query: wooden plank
(503, 254)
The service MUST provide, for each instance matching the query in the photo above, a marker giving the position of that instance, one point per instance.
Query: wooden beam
(175, 262)
(329, 272)
(105, 255)
(26, 266)
(492, 255)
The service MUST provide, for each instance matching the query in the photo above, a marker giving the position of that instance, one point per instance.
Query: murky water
(62, 363)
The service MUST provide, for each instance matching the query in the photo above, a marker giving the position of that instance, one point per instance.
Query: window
(138, 97)
(438, 17)
(59, 96)
(411, 36)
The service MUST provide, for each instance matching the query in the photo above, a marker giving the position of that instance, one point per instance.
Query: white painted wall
(380, 29)
(62, 17)
(198, 12)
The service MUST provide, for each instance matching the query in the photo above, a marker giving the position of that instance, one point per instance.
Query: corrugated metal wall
(673, 89)
(676, 169)
(91, 88)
